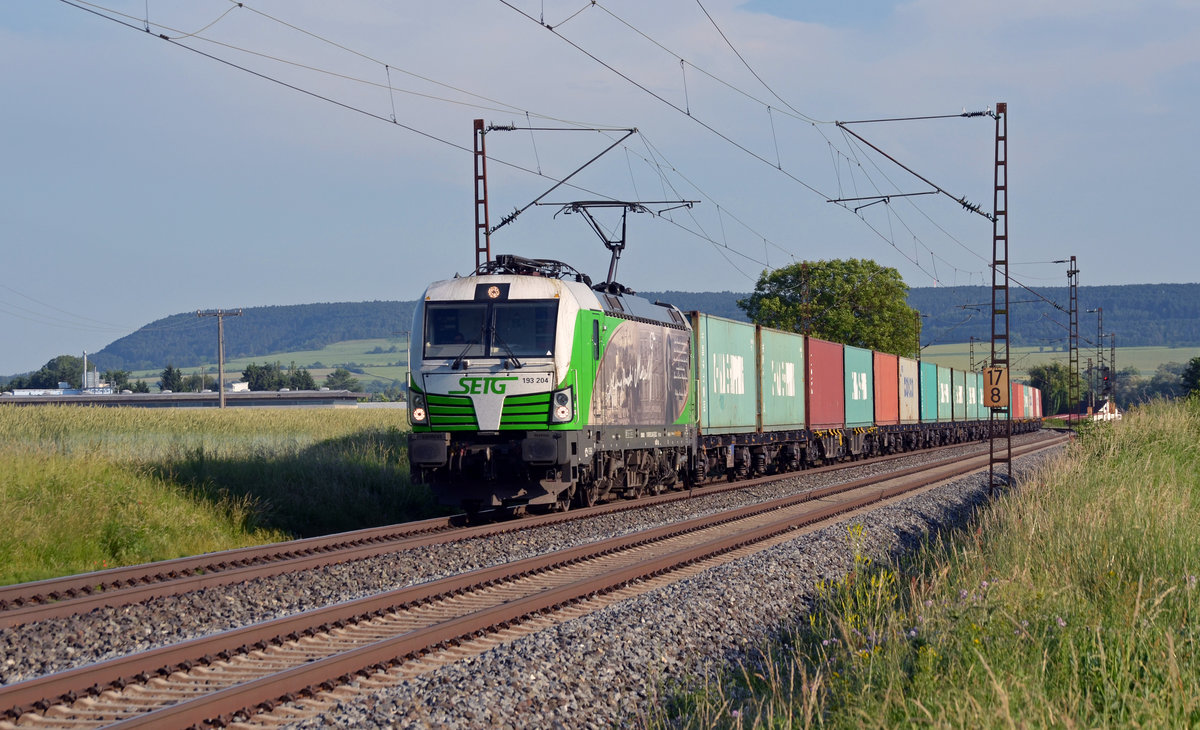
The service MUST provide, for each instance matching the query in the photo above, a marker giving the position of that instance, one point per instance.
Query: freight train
(530, 388)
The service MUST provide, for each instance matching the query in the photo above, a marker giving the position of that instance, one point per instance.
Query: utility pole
(220, 314)
(483, 235)
(1073, 353)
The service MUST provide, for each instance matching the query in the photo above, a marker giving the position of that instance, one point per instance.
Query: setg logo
(482, 385)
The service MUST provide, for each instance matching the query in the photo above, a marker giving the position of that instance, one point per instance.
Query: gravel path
(674, 632)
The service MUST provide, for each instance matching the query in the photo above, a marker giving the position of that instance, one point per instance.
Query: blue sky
(142, 179)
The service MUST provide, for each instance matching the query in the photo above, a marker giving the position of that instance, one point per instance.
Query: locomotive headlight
(561, 410)
(417, 413)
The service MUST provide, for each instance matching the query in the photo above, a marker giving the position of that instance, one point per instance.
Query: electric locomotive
(529, 387)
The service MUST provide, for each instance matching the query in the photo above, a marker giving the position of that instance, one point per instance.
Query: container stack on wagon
(773, 400)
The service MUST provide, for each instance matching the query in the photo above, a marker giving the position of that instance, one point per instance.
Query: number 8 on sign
(995, 394)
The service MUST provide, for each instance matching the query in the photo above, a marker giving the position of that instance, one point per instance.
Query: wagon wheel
(586, 495)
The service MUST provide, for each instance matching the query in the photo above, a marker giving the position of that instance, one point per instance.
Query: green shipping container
(726, 377)
(860, 386)
(959, 385)
(945, 404)
(781, 358)
(929, 392)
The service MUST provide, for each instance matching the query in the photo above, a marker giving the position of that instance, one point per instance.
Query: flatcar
(531, 388)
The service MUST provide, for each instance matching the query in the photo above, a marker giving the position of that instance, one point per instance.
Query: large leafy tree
(1054, 380)
(62, 369)
(852, 301)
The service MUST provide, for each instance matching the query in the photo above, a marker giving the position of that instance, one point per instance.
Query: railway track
(226, 676)
(76, 594)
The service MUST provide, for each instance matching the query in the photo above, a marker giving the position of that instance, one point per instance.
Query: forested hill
(185, 340)
(1139, 315)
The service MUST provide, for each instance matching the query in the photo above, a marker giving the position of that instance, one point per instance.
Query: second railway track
(381, 631)
(76, 594)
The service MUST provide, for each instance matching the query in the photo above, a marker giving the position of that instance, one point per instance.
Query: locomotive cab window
(518, 328)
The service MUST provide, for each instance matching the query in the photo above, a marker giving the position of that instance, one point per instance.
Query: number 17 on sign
(995, 390)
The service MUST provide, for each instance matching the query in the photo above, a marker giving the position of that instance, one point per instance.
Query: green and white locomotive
(531, 388)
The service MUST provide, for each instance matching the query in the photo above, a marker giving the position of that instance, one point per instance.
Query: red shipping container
(826, 385)
(1017, 406)
(887, 389)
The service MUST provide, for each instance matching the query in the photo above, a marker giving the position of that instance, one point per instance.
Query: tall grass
(1071, 602)
(86, 488)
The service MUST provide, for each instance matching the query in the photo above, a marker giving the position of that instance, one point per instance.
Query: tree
(118, 379)
(171, 379)
(1054, 380)
(300, 378)
(264, 377)
(855, 301)
(1189, 381)
(197, 382)
(140, 387)
(341, 379)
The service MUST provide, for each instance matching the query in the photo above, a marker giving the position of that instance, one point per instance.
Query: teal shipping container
(958, 389)
(859, 366)
(929, 392)
(945, 404)
(727, 384)
(975, 397)
(781, 359)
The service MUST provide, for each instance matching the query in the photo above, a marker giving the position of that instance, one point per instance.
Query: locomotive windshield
(515, 328)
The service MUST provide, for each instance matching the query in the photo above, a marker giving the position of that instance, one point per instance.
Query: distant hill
(185, 340)
(1141, 315)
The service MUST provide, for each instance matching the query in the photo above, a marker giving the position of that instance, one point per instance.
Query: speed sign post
(995, 390)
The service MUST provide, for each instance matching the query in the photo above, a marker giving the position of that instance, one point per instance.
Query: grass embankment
(85, 488)
(1070, 603)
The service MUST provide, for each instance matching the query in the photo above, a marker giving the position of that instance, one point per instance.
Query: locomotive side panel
(781, 364)
(859, 386)
(887, 389)
(643, 375)
(910, 394)
(826, 385)
(726, 373)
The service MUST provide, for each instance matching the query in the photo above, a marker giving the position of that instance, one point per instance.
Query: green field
(1145, 359)
(382, 366)
(85, 488)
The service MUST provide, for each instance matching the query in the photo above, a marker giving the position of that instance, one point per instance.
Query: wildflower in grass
(1191, 582)
(1062, 624)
